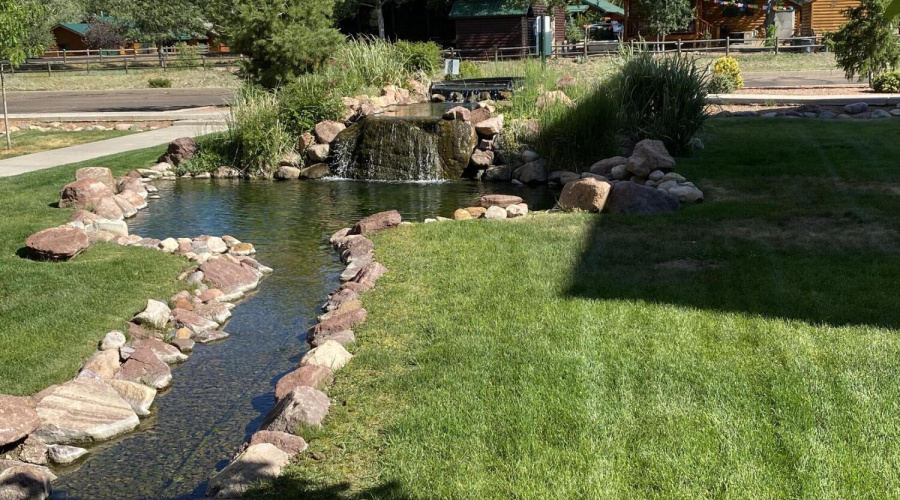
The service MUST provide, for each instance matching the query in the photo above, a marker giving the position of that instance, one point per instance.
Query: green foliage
(281, 38)
(729, 68)
(721, 84)
(308, 100)
(156, 22)
(887, 83)
(368, 61)
(661, 98)
(186, 56)
(771, 33)
(424, 57)
(866, 45)
(159, 83)
(256, 138)
(468, 69)
(212, 153)
(665, 16)
(892, 9)
(17, 20)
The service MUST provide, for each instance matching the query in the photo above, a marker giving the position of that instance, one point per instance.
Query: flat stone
(139, 396)
(498, 200)
(17, 418)
(127, 208)
(136, 331)
(337, 323)
(155, 315)
(84, 193)
(217, 312)
(83, 409)
(377, 222)
(193, 321)
(344, 308)
(20, 481)
(355, 247)
(345, 337)
(210, 295)
(315, 376)
(686, 193)
(166, 353)
(231, 278)
(61, 454)
(330, 354)
(242, 249)
(370, 274)
(144, 367)
(103, 365)
(457, 113)
(588, 195)
(210, 336)
(495, 213)
(490, 127)
(260, 462)
(303, 405)
(183, 345)
(58, 243)
(135, 199)
(285, 442)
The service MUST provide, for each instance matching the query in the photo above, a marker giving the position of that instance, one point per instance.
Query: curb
(836, 100)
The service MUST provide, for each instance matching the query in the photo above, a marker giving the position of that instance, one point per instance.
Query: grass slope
(743, 348)
(53, 314)
(28, 141)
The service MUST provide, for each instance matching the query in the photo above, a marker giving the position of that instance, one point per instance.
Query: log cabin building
(713, 19)
(482, 26)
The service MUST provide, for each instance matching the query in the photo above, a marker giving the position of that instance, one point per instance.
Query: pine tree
(866, 45)
(282, 38)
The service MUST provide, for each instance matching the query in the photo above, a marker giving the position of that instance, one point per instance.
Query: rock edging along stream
(299, 397)
(118, 384)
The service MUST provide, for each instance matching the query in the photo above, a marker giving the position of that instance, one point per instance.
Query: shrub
(424, 57)
(159, 83)
(661, 98)
(213, 151)
(729, 68)
(771, 33)
(307, 101)
(866, 44)
(887, 83)
(368, 61)
(721, 84)
(468, 69)
(256, 138)
(186, 56)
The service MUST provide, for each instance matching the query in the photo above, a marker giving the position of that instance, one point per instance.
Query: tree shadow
(831, 270)
(287, 488)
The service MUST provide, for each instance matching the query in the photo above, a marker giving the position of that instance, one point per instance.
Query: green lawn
(743, 348)
(118, 79)
(53, 314)
(32, 141)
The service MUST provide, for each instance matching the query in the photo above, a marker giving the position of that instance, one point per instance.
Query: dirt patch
(862, 90)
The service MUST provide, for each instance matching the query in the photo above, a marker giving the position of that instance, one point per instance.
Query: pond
(220, 395)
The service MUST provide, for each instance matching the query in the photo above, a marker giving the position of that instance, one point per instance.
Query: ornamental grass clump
(369, 62)
(308, 100)
(256, 138)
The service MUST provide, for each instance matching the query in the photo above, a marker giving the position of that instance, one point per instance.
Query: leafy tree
(282, 38)
(103, 35)
(55, 12)
(665, 16)
(17, 20)
(866, 44)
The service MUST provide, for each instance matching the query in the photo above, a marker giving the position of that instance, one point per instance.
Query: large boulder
(686, 193)
(84, 193)
(635, 199)
(58, 243)
(260, 462)
(144, 367)
(303, 405)
(498, 200)
(531, 173)
(650, 155)
(108, 209)
(231, 278)
(83, 409)
(286, 173)
(330, 354)
(134, 185)
(17, 418)
(101, 174)
(589, 195)
(178, 151)
(327, 131)
(377, 222)
(497, 174)
(19, 481)
(317, 171)
(315, 376)
(103, 365)
(490, 127)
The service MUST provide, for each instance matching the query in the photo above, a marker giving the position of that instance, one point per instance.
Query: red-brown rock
(58, 243)
(144, 367)
(377, 222)
(101, 174)
(17, 418)
(317, 377)
(285, 442)
(499, 200)
(179, 150)
(336, 324)
(326, 131)
(479, 115)
(355, 247)
(370, 274)
(589, 195)
(231, 278)
(84, 193)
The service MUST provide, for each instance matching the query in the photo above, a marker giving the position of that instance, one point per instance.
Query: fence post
(101, 56)
(776, 44)
(496, 54)
(65, 60)
(87, 67)
(679, 47)
(727, 46)
(126, 66)
(48, 68)
(203, 61)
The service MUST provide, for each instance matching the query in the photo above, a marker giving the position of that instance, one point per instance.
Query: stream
(221, 394)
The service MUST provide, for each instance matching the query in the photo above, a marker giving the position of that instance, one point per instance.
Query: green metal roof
(82, 28)
(605, 6)
(466, 9)
(576, 9)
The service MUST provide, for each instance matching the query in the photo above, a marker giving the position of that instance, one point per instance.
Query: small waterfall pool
(220, 395)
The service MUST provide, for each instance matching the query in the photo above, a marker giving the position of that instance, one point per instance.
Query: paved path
(83, 152)
(105, 101)
(796, 78)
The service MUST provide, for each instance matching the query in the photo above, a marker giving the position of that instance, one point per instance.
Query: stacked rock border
(118, 384)
(857, 111)
(299, 399)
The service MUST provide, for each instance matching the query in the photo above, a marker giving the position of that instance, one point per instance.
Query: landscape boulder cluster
(300, 400)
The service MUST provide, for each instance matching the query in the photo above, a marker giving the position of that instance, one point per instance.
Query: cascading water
(403, 149)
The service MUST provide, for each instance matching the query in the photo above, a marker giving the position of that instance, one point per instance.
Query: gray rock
(495, 213)
(532, 173)
(880, 113)
(113, 340)
(656, 175)
(19, 481)
(650, 155)
(619, 172)
(634, 199)
(155, 315)
(856, 108)
(260, 462)
(687, 193)
(61, 454)
(828, 115)
(303, 405)
(497, 174)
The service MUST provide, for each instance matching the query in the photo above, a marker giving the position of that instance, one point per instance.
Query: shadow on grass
(287, 488)
(840, 273)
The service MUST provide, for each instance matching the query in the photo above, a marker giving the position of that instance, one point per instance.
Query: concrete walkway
(788, 79)
(91, 150)
(779, 99)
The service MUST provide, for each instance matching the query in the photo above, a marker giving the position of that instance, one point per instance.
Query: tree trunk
(5, 112)
(379, 12)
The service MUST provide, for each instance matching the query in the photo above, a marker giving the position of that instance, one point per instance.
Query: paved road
(105, 101)
(795, 78)
(83, 152)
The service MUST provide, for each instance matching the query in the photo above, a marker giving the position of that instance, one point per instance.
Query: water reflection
(221, 394)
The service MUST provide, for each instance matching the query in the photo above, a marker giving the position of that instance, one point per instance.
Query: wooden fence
(87, 61)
